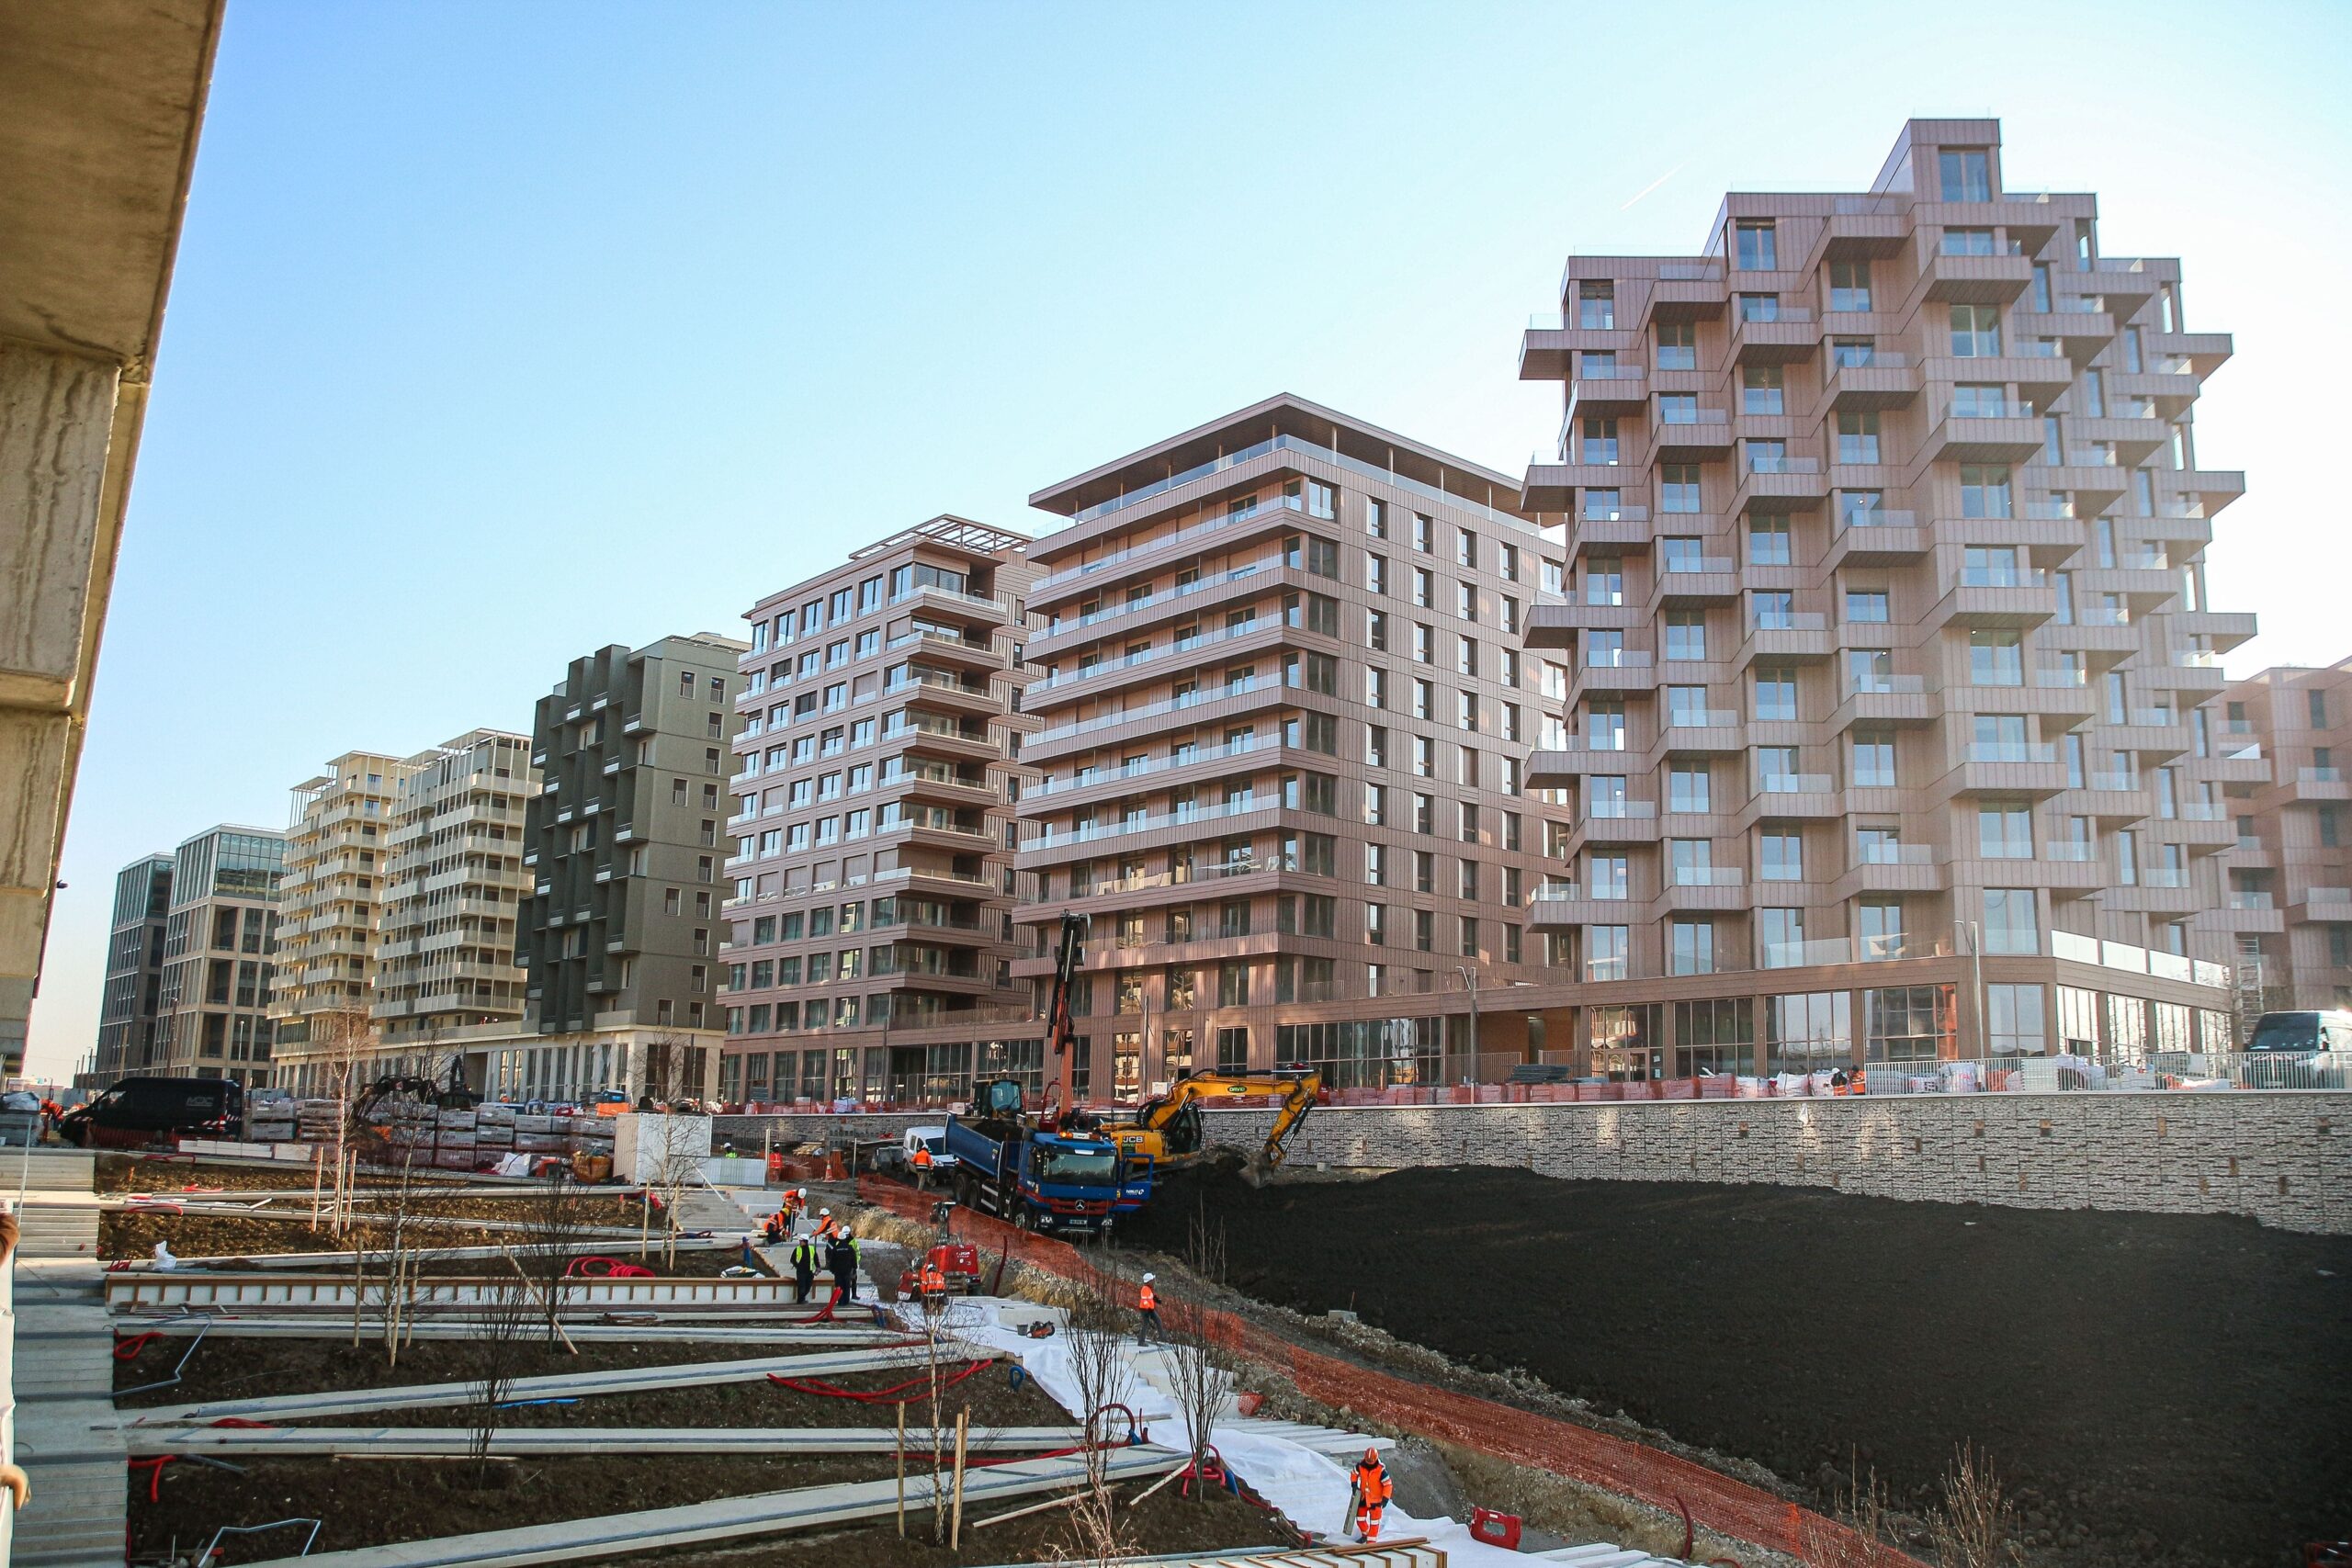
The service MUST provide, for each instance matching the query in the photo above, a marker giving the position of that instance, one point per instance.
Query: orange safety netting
(1713, 1500)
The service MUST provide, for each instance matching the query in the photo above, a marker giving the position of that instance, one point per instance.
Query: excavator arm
(1156, 1118)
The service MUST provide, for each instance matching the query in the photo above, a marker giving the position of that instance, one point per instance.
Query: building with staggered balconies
(1285, 719)
(1886, 634)
(328, 898)
(870, 945)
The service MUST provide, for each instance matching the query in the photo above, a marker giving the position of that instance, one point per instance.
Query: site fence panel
(1715, 1500)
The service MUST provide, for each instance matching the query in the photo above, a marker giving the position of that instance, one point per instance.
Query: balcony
(1557, 624)
(1557, 768)
(1257, 516)
(2214, 487)
(1976, 280)
(1552, 484)
(1707, 433)
(1623, 530)
(2320, 785)
(1790, 333)
(1630, 670)
(1548, 349)
(1621, 822)
(1885, 539)
(1695, 580)
(2205, 352)
(1797, 635)
(2225, 629)
(1691, 889)
(1979, 596)
(1764, 476)
(2027, 767)
(1715, 730)
(1970, 438)
(2112, 798)
(1886, 380)
(1792, 797)
(1618, 390)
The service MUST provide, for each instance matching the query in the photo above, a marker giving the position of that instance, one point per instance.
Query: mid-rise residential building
(219, 943)
(453, 885)
(1890, 667)
(1285, 719)
(869, 919)
(134, 983)
(625, 845)
(2290, 863)
(329, 895)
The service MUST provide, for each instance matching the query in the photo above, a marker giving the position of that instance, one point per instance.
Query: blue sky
(500, 332)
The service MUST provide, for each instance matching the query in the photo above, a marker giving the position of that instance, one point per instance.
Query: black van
(135, 1112)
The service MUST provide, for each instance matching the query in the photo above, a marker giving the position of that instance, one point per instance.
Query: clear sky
(504, 332)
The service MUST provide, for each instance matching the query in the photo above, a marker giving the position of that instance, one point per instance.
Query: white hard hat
(824, 1213)
(1148, 1278)
(802, 1193)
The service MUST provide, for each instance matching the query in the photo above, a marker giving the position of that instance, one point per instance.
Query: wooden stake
(955, 1519)
(902, 1471)
(318, 1182)
(1030, 1508)
(1155, 1486)
(540, 1296)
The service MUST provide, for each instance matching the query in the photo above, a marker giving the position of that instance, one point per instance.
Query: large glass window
(1975, 331)
(1753, 245)
(1964, 173)
(1909, 1024)
(2011, 923)
(1715, 1035)
(1810, 1031)
(2014, 1020)
(1691, 948)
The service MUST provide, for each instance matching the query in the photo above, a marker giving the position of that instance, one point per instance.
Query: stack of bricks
(2283, 1158)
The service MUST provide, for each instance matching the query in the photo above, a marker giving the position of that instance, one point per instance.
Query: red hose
(128, 1348)
(241, 1423)
(875, 1396)
(155, 1480)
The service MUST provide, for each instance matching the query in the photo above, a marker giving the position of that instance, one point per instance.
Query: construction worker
(1147, 1312)
(933, 1279)
(841, 1262)
(775, 1227)
(826, 1229)
(804, 1269)
(922, 1166)
(1369, 1492)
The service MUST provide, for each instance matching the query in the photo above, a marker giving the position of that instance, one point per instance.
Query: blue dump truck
(1067, 1182)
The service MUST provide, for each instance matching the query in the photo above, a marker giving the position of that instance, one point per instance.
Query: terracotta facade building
(1884, 525)
(1284, 718)
(2290, 864)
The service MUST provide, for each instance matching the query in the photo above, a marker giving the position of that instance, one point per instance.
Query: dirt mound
(2160, 1388)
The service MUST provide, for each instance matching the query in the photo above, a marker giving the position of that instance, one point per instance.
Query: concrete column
(61, 470)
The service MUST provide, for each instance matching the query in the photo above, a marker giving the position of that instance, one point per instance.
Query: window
(1753, 247)
(1873, 766)
(1995, 657)
(1967, 243)
(1677, 488)
(1677, 407)
(1878, 929)
(1320, 502)
(1596, 305)
(1604, 580)
(1767, 541)
(1604, 952)
(1975, 331)
(1866, 605)
(1984, 490)
(2011, 924)
(1687, 786)
(1690, 947)
(1780, 856)
(1759, 390)
(1677, 345)
(1604, 726)
(1849, 285)
(1908, 1023)
(2015, 1016)
(2004, 830)
(1375, 573)
(1605, 876)
(1776, 692)
(1857, 436)
(1781, 937)
(1972, 402)
(1600, 446)
(1964, 173)
(1686, 634)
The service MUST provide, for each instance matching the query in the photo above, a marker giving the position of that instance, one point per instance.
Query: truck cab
(1057, 1181)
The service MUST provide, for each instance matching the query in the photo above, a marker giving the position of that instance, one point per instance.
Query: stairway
(59, 1370)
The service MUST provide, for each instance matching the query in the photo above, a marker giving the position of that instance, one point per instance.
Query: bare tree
(500, 1347)
(347, 1040)
(1861, 1545)
(558, 1223)
(1200, 1364)
(1976, 1526)
(400, 1264)
(1097, 1331)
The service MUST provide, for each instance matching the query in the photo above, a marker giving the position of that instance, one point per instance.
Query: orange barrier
(1596, 1459)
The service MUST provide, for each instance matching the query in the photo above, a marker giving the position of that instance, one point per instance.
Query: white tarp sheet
(1310, 1489)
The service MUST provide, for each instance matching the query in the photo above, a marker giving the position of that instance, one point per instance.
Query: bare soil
(135, 1232)
(2154, 1389)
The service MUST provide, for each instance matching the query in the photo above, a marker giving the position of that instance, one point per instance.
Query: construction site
(330, 1349)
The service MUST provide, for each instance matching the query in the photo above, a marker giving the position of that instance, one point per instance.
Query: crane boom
(1058, 1032)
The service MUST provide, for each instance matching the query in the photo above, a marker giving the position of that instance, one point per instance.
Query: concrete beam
(386, 1442)
(99, 106)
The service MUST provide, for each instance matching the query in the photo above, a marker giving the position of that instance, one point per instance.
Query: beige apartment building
(1889, 718)
(328, 897)
(219, 946)
(1284, 721)
(870, 944)
(453, 883)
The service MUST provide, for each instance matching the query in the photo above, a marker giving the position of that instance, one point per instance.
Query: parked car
(138, 1111)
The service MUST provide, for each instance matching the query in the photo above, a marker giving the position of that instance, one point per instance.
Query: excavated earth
(2154, 1388)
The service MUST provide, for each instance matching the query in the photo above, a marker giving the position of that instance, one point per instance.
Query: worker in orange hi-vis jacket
(1147, 1312)
(1369, 1491)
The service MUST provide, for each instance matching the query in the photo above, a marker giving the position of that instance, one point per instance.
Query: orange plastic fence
(1650, 1476)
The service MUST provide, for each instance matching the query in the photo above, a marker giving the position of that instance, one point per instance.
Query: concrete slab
(527, 1441)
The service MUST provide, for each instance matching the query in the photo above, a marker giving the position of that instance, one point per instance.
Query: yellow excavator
(1168, 1127)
